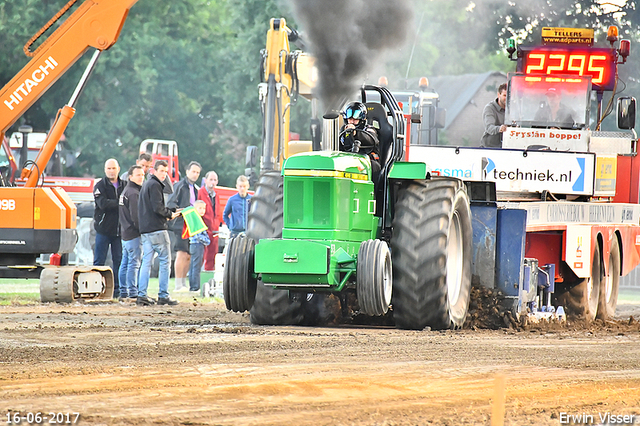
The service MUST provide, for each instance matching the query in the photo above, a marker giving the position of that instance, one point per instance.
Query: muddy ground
(197, 364)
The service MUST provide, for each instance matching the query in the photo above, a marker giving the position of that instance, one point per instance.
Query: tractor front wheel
(239, 284)
(374, 277)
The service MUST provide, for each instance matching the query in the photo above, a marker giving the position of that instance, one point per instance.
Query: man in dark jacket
(185, 194)
(152, 220)
(130, 234)
(105, 219)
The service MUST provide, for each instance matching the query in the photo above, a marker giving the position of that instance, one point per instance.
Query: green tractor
(321, 226)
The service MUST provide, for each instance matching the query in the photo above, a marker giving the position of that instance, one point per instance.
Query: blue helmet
(356, 110)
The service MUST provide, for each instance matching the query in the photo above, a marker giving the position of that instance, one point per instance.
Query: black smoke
(348, 37)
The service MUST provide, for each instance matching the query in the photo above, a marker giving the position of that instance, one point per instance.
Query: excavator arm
(95, 23)
(286, 75)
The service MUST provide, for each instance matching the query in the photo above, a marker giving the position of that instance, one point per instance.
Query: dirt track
(198, 364)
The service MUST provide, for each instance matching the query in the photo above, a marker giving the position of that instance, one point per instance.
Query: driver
(554, 111)
(359, 137)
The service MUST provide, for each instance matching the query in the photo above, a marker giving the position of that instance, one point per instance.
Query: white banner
(554, 139)
(512, 170)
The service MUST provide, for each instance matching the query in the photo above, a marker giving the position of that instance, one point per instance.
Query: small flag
(193, 223)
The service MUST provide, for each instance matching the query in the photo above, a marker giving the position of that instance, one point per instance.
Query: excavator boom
(35, 220)
(96, 23)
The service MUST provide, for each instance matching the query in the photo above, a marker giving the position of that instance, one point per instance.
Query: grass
(629, 295)
(26, 292)
(19, 292)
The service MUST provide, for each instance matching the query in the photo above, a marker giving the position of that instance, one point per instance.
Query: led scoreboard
(599, 63)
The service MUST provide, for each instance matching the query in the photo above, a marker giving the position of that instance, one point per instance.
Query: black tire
(580, 296)
(271, 307)
(239, 283)
(374, 278)
(610, 285)
(431, 253)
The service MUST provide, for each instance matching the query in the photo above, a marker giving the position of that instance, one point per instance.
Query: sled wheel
(610, 284)
(580, 296)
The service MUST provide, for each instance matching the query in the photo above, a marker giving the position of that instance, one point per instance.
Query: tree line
(188, 70)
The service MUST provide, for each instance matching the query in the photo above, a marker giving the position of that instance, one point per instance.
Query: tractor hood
(352, 166)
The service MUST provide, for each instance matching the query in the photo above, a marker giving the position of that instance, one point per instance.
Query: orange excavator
(37, 220)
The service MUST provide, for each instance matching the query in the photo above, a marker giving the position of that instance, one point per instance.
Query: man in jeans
(152, 218)
(130, 234)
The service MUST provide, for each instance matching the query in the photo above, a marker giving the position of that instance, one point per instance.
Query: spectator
(105, 219)
(185, 193)
(493, 118)
(237, 208)
(211, 217)
(130, 234)
(144, 160)
(197, 245)
(152, 219)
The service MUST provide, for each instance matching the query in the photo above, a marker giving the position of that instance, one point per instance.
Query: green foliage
(185, 70)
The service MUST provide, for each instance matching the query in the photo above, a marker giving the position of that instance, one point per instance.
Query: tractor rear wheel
(374, 277)
(239, 284)
(271, 306)
(610, 284)
(580, 296)
(431, 253)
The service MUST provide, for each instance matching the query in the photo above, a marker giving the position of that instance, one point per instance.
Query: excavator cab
(8, 166)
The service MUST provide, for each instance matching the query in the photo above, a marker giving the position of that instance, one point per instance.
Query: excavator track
(65, 284)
